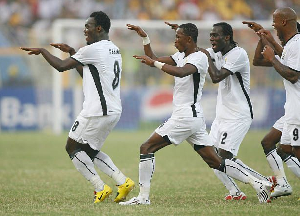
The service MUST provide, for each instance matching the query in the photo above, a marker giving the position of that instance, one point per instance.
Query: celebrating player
(284, 21)
(229, 66)
(189, 68)
(99, 63)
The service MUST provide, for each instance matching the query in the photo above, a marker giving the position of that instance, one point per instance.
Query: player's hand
(32, 51)
(138, 30)
(253, 25)
(266, 34)
(64, 47)
(268, 53)
(146, 60)
(173, 26)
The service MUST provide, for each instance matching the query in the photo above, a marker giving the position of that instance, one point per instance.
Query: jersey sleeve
(85, 55)
(293, 60)
(199, 60)
(175, 57)
(235, 60)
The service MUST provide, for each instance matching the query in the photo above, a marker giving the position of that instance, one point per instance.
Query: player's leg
(147, 168)
(235, 171)
(286, 154)
(82, 150)
(227, 136)
(269, 145)
(84, 164)
(173, 131)
(103, 125)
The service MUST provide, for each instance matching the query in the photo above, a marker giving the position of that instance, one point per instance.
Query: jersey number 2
(224, 137)
(116, 80)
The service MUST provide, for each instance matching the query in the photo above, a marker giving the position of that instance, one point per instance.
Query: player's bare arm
(215, 74)
(64, 47)
(57, 63)
(67, 49)
(147, 47)
(259, 59)
(283, 70)
(186, 70)
(270, 40)
(253, 25)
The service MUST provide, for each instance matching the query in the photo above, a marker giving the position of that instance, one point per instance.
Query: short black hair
(102, 20)
(298, 27)
(190, 29)
(227, 30)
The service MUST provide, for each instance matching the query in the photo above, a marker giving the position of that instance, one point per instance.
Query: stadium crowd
(33, 12)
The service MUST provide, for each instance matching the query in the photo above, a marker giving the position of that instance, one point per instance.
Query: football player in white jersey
(189, 68)
(229, 66)
(287, 32)
(100, 65)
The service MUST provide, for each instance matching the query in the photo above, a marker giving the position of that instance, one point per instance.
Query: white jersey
(291, 58)
(233, 100)
(188, 90)
(102, 67)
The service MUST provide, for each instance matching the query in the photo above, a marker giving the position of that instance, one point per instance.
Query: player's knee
(72, 147)
(281, 153)
(268, 145)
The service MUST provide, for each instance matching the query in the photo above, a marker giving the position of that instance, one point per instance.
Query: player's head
(221, 36)
(102, 20)
(186, 35)
(284, 22)
(96, 27)
(189, 29)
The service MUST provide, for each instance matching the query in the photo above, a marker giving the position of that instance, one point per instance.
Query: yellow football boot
(124, 189)
(101, 195)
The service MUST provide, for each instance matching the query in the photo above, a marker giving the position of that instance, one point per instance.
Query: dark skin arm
(186, 70)
(67, 49)
(147, 48)
(283, 70)
(57, 63)
(270, 41)
(259, 59)
(215, 74)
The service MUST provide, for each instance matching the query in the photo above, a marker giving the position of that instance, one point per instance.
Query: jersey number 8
(116, 80)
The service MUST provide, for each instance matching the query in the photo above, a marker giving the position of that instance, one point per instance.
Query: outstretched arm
(186, 70)
(268, 36)
(67, 49)
(147, 48)
(215, 74)
(57, 63)
(283, 70)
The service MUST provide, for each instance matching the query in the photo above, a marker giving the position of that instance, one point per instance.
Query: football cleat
(101, 195)
(237, 196)
(263, 191)
(136, 201)
(281, 190)
(124, 189)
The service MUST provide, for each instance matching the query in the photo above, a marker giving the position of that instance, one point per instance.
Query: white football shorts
(229, 134)
(191, 129)
(278, 125)
(93, 130)
(290, 135)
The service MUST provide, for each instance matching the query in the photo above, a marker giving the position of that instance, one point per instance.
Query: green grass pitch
(38, 178)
